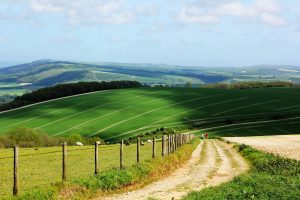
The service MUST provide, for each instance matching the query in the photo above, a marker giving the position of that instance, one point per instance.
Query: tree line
(252, 84)
(64, 90)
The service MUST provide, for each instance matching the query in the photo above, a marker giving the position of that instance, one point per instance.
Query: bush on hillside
(26, 137)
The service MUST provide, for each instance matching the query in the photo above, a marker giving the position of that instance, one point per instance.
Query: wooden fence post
(172, 144)
(181, 139)
(174, 147)
(16, 169)
(138, 149)
(153, 147)
(121, 154)
(64, 161)
(163, 145)
(96, 157)
(168, 144)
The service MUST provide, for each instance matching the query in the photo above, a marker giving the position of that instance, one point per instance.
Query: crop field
(117, 114)
(42, 167)
(283, 145)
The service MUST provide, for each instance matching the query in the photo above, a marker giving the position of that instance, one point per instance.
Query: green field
(117, 114)
(41, 167)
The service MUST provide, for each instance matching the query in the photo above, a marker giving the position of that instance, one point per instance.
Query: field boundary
(21, 160)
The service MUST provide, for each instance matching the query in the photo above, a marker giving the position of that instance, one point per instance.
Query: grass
(270, 177)
(41, 167)
(110, 180)
(113, 115)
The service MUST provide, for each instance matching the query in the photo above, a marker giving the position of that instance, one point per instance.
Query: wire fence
(24, 169)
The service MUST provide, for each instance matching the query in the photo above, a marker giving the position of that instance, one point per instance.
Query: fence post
(171, 144)
(121, 154)
(153, 147)
(64, 161)
(163, 145)
(168, 144)
(96, 157)
(16, 169)
(181, 139)
(174, 147)
(138, 149)
(176, 141)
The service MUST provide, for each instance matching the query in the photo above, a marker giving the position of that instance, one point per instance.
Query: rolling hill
(116, 114)
(45, 73)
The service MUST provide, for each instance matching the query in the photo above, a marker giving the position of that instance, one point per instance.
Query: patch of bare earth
(284, 145)
(212, 163)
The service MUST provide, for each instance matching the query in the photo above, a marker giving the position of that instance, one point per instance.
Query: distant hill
(43, 73)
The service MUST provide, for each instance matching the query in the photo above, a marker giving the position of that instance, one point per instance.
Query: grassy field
(41, 167)
(117, 114)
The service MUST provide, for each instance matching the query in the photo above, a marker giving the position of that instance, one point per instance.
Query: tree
(188, 84)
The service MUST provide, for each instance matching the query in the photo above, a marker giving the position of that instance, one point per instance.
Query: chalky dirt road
(212, 163)
(284, 145)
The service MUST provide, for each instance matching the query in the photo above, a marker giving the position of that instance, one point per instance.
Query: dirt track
(283, 145)
(212, 163)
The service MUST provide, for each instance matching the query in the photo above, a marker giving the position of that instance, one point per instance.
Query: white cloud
(194, 15)
(272, 20)
(94, 11)
(211, 12)
(86, 11)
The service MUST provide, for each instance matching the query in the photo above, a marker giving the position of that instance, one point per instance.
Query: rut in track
(212, 163)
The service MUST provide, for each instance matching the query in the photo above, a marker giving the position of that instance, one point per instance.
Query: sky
(179, 32)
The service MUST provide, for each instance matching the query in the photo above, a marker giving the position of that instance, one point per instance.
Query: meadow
(117, 114)
(42, 167)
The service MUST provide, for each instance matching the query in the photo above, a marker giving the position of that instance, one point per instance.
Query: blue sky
(183, 32)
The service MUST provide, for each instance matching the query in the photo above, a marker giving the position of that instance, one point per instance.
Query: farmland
(117, 114)
(39, 168)
(284, 145)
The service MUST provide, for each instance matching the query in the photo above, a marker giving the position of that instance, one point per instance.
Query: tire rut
(212, 163)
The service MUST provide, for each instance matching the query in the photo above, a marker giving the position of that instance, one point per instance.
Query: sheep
(127, 143)
(79, 144)
(142, 143)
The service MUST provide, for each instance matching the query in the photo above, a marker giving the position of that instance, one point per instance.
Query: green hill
(117, 114)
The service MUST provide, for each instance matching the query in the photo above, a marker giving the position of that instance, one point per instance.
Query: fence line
(169, 144)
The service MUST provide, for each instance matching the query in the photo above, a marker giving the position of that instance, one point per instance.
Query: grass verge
(115, 180)
(270, 177)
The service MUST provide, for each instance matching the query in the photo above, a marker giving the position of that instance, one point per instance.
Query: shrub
(113, 179)
(26, 137)
(37, 194)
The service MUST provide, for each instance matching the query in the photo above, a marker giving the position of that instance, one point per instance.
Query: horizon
(192, 33)
(7, 64)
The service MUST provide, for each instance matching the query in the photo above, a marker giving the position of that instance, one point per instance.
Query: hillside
(18, 79)
(117, 114)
